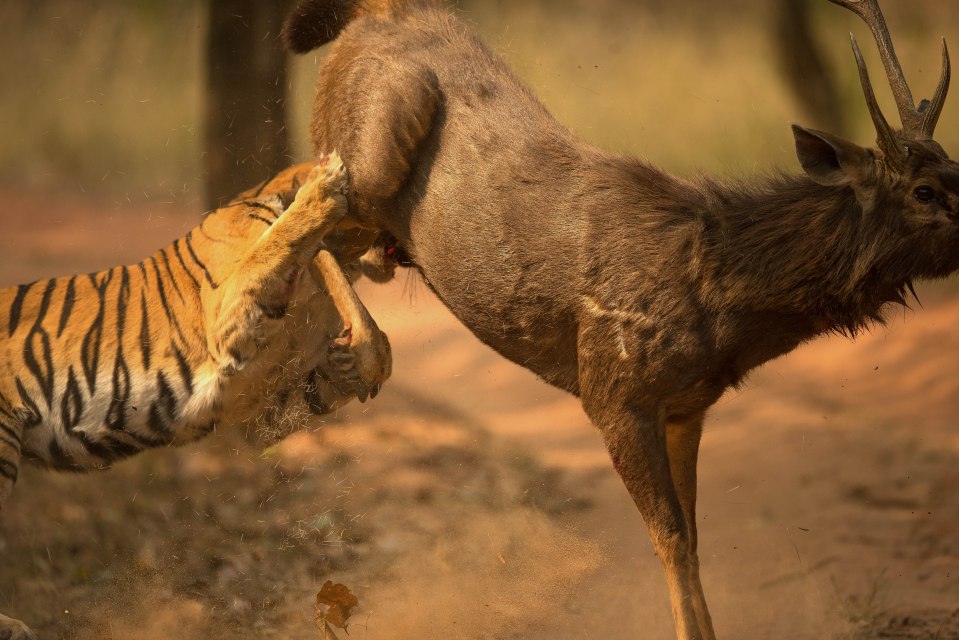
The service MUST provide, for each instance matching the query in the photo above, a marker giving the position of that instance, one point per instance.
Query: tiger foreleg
(259, 291)
(372, 358)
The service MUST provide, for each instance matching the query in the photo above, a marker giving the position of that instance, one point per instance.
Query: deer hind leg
(264, 283)
(682, 444)
(382, 145)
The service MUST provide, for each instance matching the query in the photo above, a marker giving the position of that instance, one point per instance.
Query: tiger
(248, 320)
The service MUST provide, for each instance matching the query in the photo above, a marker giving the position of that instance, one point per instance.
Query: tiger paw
(329, 168)
(327, 182)
(374, 358)
(11, 629)
(363, 365)
(339, 356)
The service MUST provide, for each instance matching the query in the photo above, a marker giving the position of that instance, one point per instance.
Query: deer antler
(917, 123)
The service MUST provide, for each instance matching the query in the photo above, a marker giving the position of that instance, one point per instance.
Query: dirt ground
(470, 500)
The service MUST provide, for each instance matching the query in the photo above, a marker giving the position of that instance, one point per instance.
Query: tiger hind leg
(11, 629)
(11, 444)
(264, 283)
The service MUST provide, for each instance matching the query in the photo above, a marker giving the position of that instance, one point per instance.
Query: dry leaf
(339, 603)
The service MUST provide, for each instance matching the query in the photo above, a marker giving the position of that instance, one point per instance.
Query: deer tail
(313, 23)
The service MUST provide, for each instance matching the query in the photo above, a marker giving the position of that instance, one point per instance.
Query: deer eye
(924, 193)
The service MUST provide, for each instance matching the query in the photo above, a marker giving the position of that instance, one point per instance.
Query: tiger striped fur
(247, 320)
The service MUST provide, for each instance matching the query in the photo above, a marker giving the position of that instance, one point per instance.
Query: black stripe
(123, 299)
(206, 272)
(90, 348)
(60, 459)
(31, 417)
(11, 433)
(179, 256)
(8, 469)
(71, 406)
(144, 330)
(263, 207)
(163, 412)
(6, 408)
(166, 264)
(45, 302)
(185, 371)
(99, 449)
(268, 223)
(163, 300)
(17, 307)
(41, 369)
(117, 412)
(68, 300)
(13, 444)
(120, 449)
(145, 441)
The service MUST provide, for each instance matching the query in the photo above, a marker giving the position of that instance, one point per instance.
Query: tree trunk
(246, 136)
(803, 65)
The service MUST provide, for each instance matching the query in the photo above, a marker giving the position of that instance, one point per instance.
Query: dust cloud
(494, 577)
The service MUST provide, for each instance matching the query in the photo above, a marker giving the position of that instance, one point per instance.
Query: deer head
(909, 182)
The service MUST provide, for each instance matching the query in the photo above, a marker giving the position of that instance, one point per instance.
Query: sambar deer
(645, 294)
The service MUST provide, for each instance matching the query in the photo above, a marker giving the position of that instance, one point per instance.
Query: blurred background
(470, 500)
(152, 100)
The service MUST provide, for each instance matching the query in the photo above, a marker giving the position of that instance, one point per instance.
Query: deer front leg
(634, 431)
(637, 445)
(682, 445)
(370, 348)
(265, 281)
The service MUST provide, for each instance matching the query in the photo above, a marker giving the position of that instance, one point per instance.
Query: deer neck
(802, 250)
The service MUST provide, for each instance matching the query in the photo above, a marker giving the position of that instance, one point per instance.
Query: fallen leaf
(339, 602)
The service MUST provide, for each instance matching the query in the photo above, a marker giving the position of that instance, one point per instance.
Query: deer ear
(830, 160)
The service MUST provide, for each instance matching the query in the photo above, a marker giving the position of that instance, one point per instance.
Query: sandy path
(828, 500)
(827, 497)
